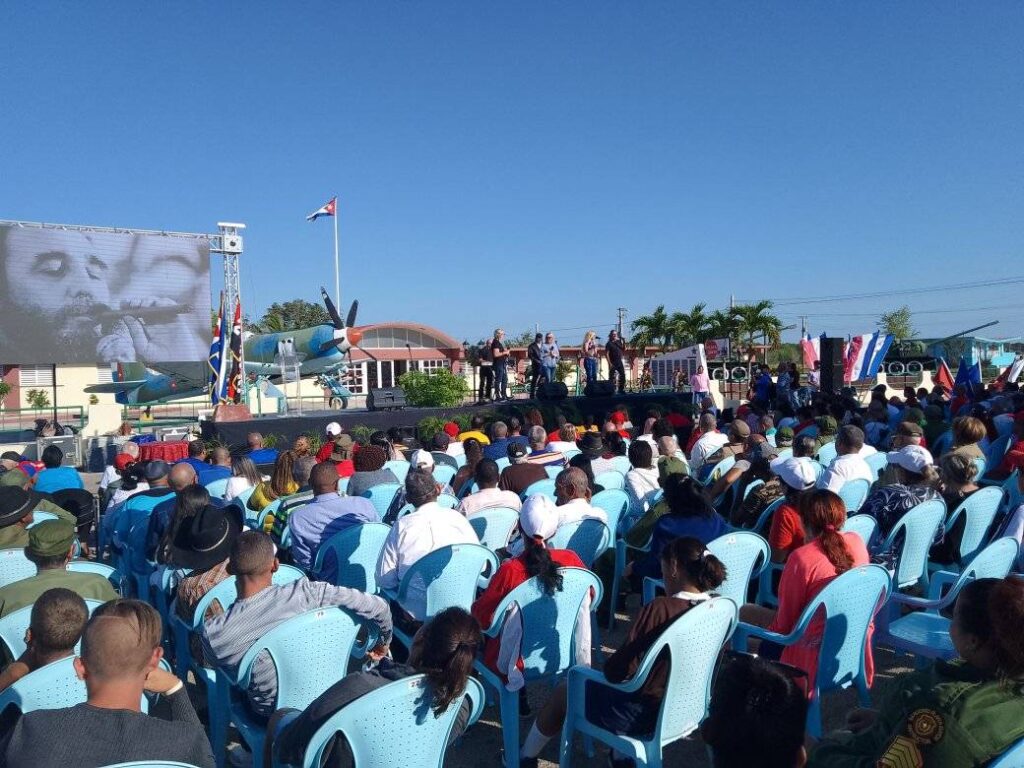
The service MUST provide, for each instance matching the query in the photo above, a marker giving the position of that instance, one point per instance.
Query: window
(430, 366)
(355, 378)
(104, 374)
(36, 376)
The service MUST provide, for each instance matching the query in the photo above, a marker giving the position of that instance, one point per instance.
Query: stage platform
(287, 428)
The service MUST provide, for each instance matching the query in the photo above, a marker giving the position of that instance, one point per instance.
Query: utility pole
(732, 301)
(803, 326)
(622, 315)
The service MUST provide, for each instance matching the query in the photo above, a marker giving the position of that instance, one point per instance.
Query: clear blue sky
(521, 162)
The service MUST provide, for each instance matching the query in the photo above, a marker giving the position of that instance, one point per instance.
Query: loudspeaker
(552, 390)
(599, 389)
(832, 374)
(386, 399)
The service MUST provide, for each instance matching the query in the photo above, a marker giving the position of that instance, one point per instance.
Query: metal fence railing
(14, 419)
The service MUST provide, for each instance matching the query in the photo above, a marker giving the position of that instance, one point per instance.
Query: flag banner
(943, 375)
(328, 209)
(882, 345)
(854, 359)
(216, 351)
(234, 394)
(811, 349)
(1015, 370)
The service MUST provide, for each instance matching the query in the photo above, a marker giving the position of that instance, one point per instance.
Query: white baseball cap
(538, 517)
(422, 459)
(912, 458)
(797, 473)
(333, 429)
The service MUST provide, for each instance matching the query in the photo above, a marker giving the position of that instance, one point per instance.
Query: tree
(38, 398)
(691, 327)
(524, 339)
(757, 320)
(723, 325)
(5, 390)
(898, 322)
(290, 316)
(440, 389)
(652, 330)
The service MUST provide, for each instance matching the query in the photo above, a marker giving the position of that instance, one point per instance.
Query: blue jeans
(698, 396)
(590, 366)
(549, 373)
(501, 380)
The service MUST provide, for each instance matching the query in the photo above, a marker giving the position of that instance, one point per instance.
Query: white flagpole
(337, 278)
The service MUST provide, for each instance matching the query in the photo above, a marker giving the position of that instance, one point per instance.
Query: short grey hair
(538, 436)
(420, 487)
(499, 430)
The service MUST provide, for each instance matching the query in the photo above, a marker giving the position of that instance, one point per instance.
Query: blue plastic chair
(54, 686)
(981, 466)
(785, 453)
(877, 462)
(399, 467)
(553, 471)
(621, 548)
(449, 575)
(571, 454)
(414, 738)
(942, 444)
(217, 488)
(764, 519)
(503, 462)
(494, 526)
(588, 538)
(382, 496)
(615, 504)
(997, 450)
(744, 554)
(443, 474)
(544, 487)
(14, 566)
(447, 501)
(849, 602)
(826, 453)
(751, 486)
(917, 529)
(310, 653)
(267, 512)
(1011, 758)
(162, 594)
(621, 464)
(547, 647)
(811, 431)
(610, 480)
(853, 493)
(343, 485)
(88, 566)
(694, 642)
(718, 470)
(980, 509)
(925, 632)
(243, 498)
(39, 517)
(350, 557)
(864, 526)
(14, 624)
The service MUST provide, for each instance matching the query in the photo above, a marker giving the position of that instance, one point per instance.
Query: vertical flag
(854, 357)
(943, 375)
(882, 346)
(216, 351)
(235, 377)
(811, 349)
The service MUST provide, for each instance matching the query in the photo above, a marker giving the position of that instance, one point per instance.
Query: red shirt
(1014, 459)
(787, 529)
(345, 468)
(678, 421)
(324, 453)
(510, 575)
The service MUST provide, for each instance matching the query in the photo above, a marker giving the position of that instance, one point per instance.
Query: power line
(913, 312)
(897, 292)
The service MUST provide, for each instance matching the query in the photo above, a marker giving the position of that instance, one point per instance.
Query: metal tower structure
(228, 243)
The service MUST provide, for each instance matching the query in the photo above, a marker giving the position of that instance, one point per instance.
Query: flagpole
(337, 278)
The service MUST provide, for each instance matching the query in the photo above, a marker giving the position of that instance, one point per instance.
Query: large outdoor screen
(75, 295)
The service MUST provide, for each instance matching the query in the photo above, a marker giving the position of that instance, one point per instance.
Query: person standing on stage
(486, 372)
(590, 356)
(549, 355)
(536, 364)
(616, 348)
(499, 358)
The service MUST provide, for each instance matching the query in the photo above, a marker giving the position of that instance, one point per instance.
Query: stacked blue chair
(545, 487)
(553, 471)
(925, 632)
(979, 511)
(243, 498)
(443, 474)
(350, 557)
(588, 538)
(381, 496)
(547, 647)
(853, 493)
(494, 526)
(764, 519)
(864, 526)
(610, 480)
(310, 653)
(849, 603)
(877, 462)
(917, 529)
(447, 501)
(826, 453)
(414, 738)
(39, 517)
(450, 575)
(716, 471)
(694, 642)
(615, 505)
(744, 555)
(217, 488)
(621, 464)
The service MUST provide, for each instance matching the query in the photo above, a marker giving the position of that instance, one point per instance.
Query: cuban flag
(326, 210)
(217, 359)
(811, 349)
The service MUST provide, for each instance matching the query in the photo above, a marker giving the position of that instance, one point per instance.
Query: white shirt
(706, 445)
(488, 498)
(844, 468)
(640, 485)
(867, 450)
(561, 446)
(580, 509)
(601, 464)
(121, 495)
(235, 486)
(414, 536)
(109, 476)
(455, 448)
(654, 444)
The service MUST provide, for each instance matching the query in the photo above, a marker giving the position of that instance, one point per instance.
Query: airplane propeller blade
(332, 344)
(365, 352)
(351, 320)
(331, 309)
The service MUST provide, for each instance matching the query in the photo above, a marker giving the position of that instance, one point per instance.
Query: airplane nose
(354, 336)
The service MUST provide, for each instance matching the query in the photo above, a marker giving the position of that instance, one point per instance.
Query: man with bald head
(572, 492)
(709, 442)
(219, 467)
(119, 660)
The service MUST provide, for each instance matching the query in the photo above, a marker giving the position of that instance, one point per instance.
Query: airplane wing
(113, 387)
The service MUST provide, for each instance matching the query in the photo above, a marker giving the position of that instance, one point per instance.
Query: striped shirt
(228, 637)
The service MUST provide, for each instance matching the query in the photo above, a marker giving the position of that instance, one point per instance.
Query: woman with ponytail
(538, 521)
(444, 650)
(963, 712)
(828, 553)
(691, 575)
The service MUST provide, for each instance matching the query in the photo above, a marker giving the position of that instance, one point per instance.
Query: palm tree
(689, 327)
(722, 324)
(757, 320)
(652, 330)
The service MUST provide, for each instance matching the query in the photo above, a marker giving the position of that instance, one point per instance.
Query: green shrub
(38, 398)
(441, 389)
(361, 433)
(428, 427)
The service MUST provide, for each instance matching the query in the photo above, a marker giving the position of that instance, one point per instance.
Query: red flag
(943, 375)
(235, 377)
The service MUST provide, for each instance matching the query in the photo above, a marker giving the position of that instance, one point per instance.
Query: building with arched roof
(392, 349)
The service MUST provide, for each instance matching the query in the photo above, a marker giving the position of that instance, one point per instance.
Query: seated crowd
(667, 486)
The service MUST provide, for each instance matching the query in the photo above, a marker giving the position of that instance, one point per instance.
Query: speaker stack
(832, 375)
(552, 390)
(386, 399)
